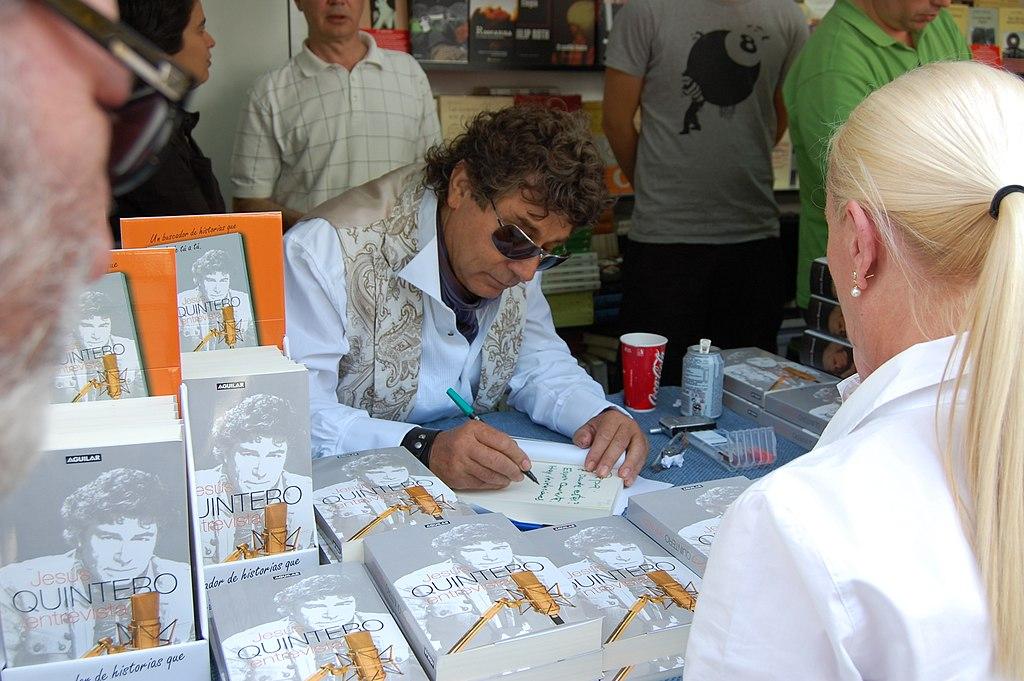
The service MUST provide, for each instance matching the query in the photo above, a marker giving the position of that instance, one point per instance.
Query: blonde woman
(894, 550)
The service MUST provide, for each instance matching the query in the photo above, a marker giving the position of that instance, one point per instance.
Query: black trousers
(731, 294)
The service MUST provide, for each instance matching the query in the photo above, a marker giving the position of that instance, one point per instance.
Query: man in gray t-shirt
(704, 257)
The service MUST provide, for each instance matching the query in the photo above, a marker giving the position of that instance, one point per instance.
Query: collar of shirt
(424, 270)
(856, 18)
(310, 64)
(918, 367)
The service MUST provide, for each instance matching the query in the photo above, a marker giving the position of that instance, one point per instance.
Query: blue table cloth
(697, 467)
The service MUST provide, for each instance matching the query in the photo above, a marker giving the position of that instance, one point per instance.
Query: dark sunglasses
(142, 126)
(513, 243)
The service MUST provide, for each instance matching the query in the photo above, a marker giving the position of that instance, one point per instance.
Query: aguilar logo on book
(83, 458)
(81, 542)
(330, 624)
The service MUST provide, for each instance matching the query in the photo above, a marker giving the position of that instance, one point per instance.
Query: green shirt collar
(856, 18)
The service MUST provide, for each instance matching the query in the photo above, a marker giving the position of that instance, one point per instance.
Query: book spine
(792, 432)
(821, 280)
(742, 407)
(417, 639)
(789, 412)
(665, 537)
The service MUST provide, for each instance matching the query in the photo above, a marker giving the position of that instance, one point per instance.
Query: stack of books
(794, 399)
(477, 598)
(97, 556)
(361, 494)
(645, 595)
(825, 344)
(330, 623)
(685, 519)
(247, 418)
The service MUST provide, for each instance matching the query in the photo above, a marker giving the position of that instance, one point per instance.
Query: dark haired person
(184, 184)
(424, 280)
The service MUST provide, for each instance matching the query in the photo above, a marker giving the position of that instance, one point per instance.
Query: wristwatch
(419, 441)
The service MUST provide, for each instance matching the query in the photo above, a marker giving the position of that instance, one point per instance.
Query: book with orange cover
(123, 342)
(230, 281)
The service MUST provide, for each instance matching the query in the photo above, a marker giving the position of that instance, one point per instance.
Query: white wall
(254, 36)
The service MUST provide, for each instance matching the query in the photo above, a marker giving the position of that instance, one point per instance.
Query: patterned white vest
(377, 234)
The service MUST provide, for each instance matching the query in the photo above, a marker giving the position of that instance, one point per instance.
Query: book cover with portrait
(362, 493)
(250, 441)
(87, 529)
(810, 407)
(476, 597)
(290, 629)
(684, 520)
(615, 570)
(573, 32)
(751, 373)
(827, 353)
(118, 346)
(826, 315)
(439, 31)
(230, 276)
(492, 31)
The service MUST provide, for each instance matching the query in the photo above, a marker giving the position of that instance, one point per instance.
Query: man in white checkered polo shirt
(340, 113)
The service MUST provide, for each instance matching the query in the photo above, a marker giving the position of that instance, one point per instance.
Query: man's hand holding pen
(477, 456)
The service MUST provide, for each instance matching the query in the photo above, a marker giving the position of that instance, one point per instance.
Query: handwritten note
(566, 493)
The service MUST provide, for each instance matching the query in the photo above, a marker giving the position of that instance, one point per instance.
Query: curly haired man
(425, 279)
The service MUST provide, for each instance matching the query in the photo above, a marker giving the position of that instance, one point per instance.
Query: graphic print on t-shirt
(721, 69)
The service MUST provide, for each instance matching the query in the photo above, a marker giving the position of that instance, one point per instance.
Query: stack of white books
(363, 493)
(247, 421)
(645, 595)
(794, 399)
(478, 599)
(97, 556)
(330, 623)
(685, 519)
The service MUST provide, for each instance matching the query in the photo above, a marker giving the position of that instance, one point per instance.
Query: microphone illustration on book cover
(214, 305)
(102, 360)
(361, 493)
(144, 631)
(363, 662)
(274, 539)
(531, 595)
(484, 589)
(664, 591)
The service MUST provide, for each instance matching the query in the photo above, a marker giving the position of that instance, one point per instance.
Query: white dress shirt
(850, 562)
(548, 384)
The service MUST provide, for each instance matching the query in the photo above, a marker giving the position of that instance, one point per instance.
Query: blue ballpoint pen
(466, 409)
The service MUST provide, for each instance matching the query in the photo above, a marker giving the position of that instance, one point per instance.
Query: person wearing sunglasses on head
(71, 128)
(184, 183)
(425, 279)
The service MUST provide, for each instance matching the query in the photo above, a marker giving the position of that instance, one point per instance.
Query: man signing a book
(425, 279)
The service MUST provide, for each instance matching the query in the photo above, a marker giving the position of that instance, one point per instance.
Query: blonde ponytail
(925, 155)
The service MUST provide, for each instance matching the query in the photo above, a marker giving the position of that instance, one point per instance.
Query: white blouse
(850, 562)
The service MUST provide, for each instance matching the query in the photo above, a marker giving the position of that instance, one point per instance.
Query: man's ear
(459, 187)
(865, 244)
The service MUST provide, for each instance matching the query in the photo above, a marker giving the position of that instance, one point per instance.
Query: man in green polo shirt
(859, 46)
